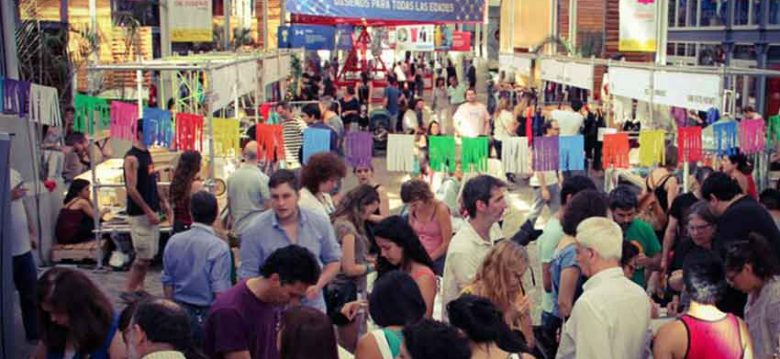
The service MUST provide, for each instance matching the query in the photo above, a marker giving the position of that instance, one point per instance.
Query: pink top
(428, 231)
(719, 339)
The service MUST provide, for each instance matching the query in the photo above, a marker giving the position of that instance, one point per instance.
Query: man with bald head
(247, 189)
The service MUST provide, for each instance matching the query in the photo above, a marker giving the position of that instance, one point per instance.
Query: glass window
(741, 10)
(692, 11)
(673, 13)
(755, 12)
(744, 52)
(682, 11)
(690, 50)
(713, 13)
(671, 49)
(774, 9)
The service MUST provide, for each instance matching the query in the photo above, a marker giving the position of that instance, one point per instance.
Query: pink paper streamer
(123, 120)
(752, 136)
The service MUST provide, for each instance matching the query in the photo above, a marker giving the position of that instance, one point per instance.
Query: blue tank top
(100, 353)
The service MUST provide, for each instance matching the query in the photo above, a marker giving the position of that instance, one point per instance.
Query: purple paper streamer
(360, 145)
(16, 97)
(546, 157)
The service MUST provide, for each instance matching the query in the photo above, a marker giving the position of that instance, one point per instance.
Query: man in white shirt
(23, 264)
(247, 188)
(570, 120)
(484, 199)
(545, 183)
(472, 118)
(611, 319)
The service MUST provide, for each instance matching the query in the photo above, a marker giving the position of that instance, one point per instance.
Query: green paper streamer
(87, 107)
(474, 154)
(441, 153)
(773, 130)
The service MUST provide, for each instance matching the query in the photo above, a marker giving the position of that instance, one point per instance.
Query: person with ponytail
(185, 182)
(76, 219)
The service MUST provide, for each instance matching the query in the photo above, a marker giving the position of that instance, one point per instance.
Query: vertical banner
(638, 25)
(442, 39)
(461, 41)
(415, 38)
(190, 20)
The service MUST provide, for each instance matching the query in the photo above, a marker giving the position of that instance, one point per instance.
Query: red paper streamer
(189, 132)
(270, 142)
(616, 150)
(689, 146)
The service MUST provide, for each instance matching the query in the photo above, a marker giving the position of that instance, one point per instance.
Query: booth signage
(344, 34)
(687, 90)
(309, 37)
(461, 41)
(523, 65)
(190, 20)
(578, 75)
(629, 82)
(414, 38)
(400, 10)
(638, 25)
(552, 70)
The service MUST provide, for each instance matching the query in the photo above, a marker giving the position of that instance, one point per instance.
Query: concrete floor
(519, 199)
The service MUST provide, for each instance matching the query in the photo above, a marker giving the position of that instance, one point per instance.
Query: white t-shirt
(569, 121)
(20, 237)
(470, 119)
(504, 120)
(550, 178)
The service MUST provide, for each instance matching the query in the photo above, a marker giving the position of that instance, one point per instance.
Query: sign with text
(401, 10)
(309, 37)
(638, 25)
(190, 20)
(578, 75)
(414, 38)
(692, 91)
(461, 41)
(632, 83)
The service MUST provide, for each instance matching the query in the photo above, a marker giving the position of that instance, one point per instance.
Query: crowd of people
(324, 271)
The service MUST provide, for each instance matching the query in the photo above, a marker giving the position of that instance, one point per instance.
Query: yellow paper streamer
(227, 137)
(652, 149)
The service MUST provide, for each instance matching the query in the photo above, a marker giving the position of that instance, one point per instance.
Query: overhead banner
(190, 20)
(400, 10)
(523, 65)
(632, 83)
(578, 75)
(692, 91)
(414, 38)
(552, 70)
(309, 37)
(461, 41)
(638, 25)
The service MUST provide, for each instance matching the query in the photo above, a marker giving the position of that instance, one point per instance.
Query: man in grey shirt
(247, 189)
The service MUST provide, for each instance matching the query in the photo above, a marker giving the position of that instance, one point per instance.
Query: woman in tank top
(430, 219)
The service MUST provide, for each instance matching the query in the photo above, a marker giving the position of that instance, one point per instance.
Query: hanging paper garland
(158, 127)
(546, 154)
(689, 144)
(227, 137)
(615, 150)
(270, 142)
(189, 132)
(123, 120)
(652, 148)
(752, 136)
(474, 154)
(572, 153)
(45, 105)
(725, 137)
(515, 155)
(773, 130)
(359, 148)
(315, 140)
(441, 153)
(16, 97)
(400, 153)
(86, 110)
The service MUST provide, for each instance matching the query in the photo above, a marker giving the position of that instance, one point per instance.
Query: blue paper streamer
(158, 127)
(572, 153)
(726, 137)
(315, 140)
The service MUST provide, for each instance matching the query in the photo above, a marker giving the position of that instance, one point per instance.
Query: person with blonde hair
(612, 316)
(505, 125)
(500, 279)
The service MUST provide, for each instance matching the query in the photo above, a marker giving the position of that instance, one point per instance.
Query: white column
(9, 40)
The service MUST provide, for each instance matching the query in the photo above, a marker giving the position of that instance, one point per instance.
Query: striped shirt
(293, 138)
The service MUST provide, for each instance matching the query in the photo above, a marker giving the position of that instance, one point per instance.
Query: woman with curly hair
(349, 224)
(185, 182)
(319, 177)
(400, 248)
(500, 279)
(76, 318)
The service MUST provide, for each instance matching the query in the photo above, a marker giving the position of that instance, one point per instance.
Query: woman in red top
(76, 219)
(704, 331)
(185, 182)
(741, 169)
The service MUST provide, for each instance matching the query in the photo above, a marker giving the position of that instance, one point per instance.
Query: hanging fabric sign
(752, 136)
(123, 120)
(689, 144)
(45, 105)
(632, 83)
(222, 82)
(546, 154)
(552, 70)
(359, 148)
(270, 142)
(651, 147)
(190, 20)
(189, 132)
(474, 154)
(699, 92)
(515, 155)
(400, 153)
(616, 150)
(637, 25)
(158, 127)
(315, 140)
(441, 153)
(572, 153)
(725, 134)
(247, 77)
(578, 75)
(89, 111)
(227, 137)
(523, 65)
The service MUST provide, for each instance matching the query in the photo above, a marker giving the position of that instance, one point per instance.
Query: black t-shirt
(146, 183)
(351, 105)
(743, 217)
(681, 205)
